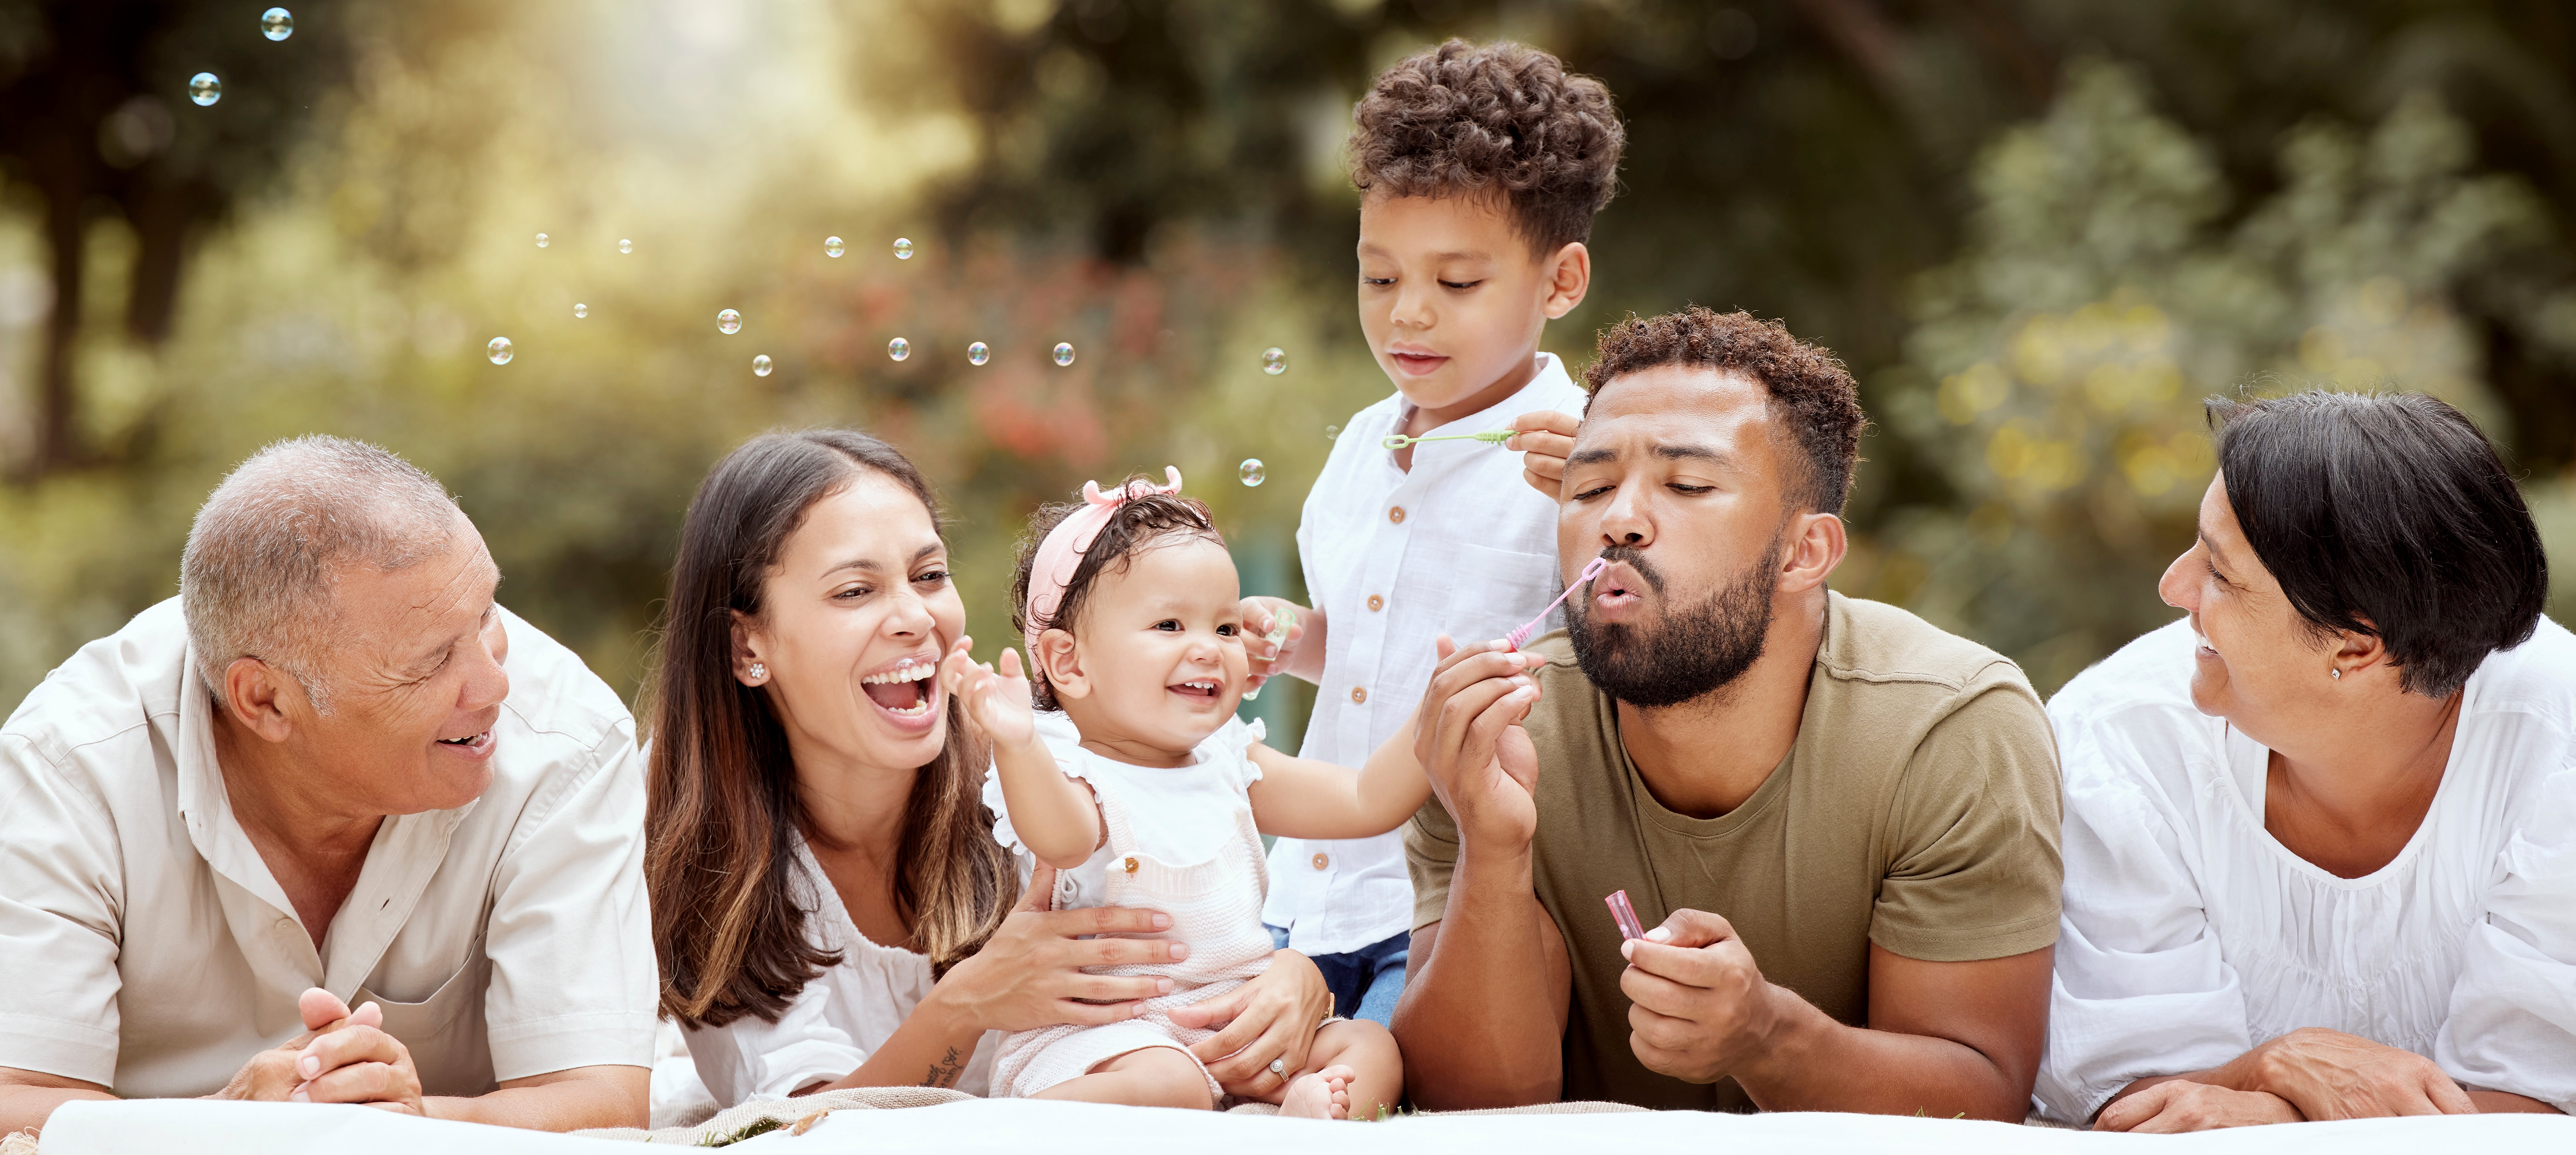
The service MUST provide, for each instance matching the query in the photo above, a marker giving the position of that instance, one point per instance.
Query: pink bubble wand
(1625, 915)
(1591, 570)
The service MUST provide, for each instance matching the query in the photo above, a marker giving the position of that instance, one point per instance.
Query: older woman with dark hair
(829, 906)
(2321, 835)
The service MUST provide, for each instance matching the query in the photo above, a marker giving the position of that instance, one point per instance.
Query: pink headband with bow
(1061, 553)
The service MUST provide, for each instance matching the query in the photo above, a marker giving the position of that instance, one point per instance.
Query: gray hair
(255, 580)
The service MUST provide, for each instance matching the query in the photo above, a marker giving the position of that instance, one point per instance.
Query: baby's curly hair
(1138, 525)
(1505, 117)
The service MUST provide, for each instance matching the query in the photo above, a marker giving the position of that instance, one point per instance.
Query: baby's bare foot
(1326, 1094)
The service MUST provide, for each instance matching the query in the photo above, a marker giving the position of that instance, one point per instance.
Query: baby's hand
(997, 700)
(1272, 628)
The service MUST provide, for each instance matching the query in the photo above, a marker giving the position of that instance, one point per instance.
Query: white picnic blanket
(1026, 1126)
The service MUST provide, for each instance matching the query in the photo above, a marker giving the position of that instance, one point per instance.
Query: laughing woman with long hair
(829, 906)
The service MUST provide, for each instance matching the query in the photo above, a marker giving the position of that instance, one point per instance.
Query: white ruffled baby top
(1178, 813)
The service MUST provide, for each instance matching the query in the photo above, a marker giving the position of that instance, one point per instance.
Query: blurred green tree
(98, 119)
(1804, 159)
(2056, 374)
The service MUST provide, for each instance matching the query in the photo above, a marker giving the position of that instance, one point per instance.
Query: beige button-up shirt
(146, 947)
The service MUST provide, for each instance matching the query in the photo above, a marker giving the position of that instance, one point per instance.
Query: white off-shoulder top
(2190, 934)
(831, 1027)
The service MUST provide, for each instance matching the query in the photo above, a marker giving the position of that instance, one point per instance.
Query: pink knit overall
(1215, 907)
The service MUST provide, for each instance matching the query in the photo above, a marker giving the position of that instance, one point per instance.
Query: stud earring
(758, 671)
(2336, 673)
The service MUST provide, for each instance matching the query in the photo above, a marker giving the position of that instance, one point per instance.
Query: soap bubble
(1274, 361)
(277, 24)
(625, 246)
(580, 310)
(541, 240)
(500, 350)
(898, 348)
(728, 322)
(902, 249)
(1332, 431)
(832, 247)
(205, 89)
(760, 365)
(1250, 471)
(1064, 352)
(978, 353)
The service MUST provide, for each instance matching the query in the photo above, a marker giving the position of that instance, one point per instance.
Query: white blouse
(2190, 934)
(833, 1024)
(1179, 814)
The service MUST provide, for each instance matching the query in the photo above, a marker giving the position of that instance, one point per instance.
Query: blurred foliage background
(2040, 231)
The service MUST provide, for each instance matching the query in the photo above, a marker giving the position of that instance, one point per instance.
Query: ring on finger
(1279, 1067)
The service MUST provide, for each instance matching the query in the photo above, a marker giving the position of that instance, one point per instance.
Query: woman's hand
(1029, 974)
(2169, 1108)
(2331, 1075)
(996, 700)
(1273, 1016)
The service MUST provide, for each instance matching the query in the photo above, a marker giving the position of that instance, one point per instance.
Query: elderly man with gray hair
(332, 773)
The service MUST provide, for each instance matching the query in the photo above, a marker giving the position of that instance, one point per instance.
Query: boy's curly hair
(1136, 526)
(1503, 118)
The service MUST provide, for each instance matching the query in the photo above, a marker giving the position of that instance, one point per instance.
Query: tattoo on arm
(944, 1073)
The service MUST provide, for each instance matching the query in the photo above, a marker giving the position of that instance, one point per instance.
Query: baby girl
(1145, 791)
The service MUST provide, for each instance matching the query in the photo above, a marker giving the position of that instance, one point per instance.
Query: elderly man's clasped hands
(344, 1056)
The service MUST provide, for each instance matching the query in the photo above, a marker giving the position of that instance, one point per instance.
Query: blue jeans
(1365, 982)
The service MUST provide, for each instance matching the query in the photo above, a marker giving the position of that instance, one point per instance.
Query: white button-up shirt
(148, 949)
(1462, 546)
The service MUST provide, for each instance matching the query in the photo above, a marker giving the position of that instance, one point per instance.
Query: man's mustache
(1636, 560)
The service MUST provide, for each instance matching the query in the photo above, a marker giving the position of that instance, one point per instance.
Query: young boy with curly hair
(1480, 169)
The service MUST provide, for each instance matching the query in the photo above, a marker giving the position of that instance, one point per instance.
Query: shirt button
(1376, 602)
(1396, 515)
(1359, 694)
(1322, 862)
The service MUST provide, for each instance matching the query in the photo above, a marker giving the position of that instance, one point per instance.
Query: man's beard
(1695, 651)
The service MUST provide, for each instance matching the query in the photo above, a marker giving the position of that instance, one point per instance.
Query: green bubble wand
(1490, 437)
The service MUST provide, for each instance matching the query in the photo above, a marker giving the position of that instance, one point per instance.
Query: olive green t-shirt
(1917, 809)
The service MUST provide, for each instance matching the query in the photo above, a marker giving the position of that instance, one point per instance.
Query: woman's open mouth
(905, 691)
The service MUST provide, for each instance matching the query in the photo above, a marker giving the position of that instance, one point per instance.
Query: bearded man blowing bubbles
(1848, 818)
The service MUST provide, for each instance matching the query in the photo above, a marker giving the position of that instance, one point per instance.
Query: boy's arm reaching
(1305, 798)
(1054, 814)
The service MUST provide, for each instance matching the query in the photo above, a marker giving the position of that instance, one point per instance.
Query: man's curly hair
(1504, 118)
(1144, 523)
(1811, 393)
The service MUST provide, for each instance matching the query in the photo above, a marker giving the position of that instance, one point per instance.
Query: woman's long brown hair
(722, 816)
